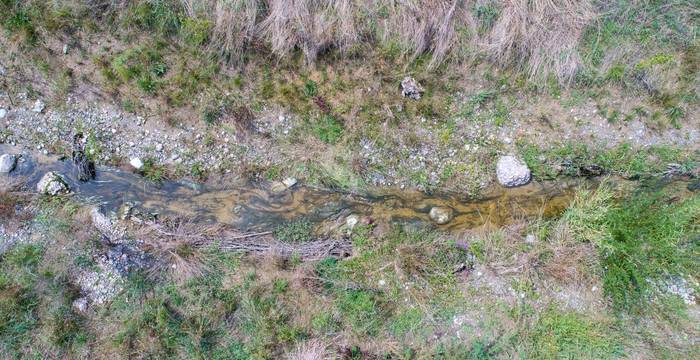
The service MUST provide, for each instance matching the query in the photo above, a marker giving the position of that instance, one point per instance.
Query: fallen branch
(217, 236)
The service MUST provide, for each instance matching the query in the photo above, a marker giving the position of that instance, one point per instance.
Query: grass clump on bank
(645, 242)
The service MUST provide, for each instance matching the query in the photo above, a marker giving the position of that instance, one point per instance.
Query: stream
(256, 207)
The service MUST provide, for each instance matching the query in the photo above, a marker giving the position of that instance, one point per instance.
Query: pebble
(289, 182)
(38, 106)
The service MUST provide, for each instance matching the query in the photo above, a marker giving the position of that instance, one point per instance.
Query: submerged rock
(280, 186)
(411, 89)
(7, 163)
(52, 183)
(512, 172)
(440, 215)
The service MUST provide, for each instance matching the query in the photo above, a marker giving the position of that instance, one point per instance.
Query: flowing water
(254, 206)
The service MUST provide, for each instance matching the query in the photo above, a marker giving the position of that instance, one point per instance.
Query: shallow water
(253, 206)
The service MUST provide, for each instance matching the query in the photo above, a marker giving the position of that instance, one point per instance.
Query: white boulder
(512, 172)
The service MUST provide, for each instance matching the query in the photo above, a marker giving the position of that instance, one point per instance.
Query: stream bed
(257, 207)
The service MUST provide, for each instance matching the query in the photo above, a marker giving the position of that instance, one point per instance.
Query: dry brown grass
(559, 257)
(176, 246)
(233, 23)
(540, 36)
(310, 25)
(422, 26)
(313, 349)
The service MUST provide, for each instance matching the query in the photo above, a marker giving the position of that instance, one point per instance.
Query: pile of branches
(183, 233)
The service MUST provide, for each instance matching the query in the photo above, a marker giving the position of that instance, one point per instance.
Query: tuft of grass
(560, 334)
(152, 171)
(296, 231)
(642, 241)
(361, 310)
(328, 129)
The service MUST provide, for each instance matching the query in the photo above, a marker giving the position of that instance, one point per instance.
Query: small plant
(487, 15)
(211, 114)
(361, 311)
(675, 113)
(616, 73)
(310, 88)
(567, 335)
(152, 171)
(146, 83)
(295, 231)
(195, 31)
(197, 171)
(328, 129)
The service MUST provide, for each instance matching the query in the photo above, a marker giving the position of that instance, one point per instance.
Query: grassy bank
(331, 70)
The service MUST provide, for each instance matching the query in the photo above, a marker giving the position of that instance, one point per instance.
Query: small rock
(38, 106)
(411, 89)
(3, 113)
(440, 215)
(80, 304)
(530, 238)
(351, 221)
(65, 49)
(159, 147)
(512, 172)
(136, 163)
(52, 183)
(7, 163)
(289, 182)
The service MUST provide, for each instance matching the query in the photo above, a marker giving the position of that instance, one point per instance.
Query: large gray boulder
(512, 172)
(52, 183)
(7, 163)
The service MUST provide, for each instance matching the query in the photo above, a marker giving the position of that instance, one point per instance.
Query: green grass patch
(644, 241)
(570, 159)
(328, 129)
(650, 240)
(296, 231)
(560, 334)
